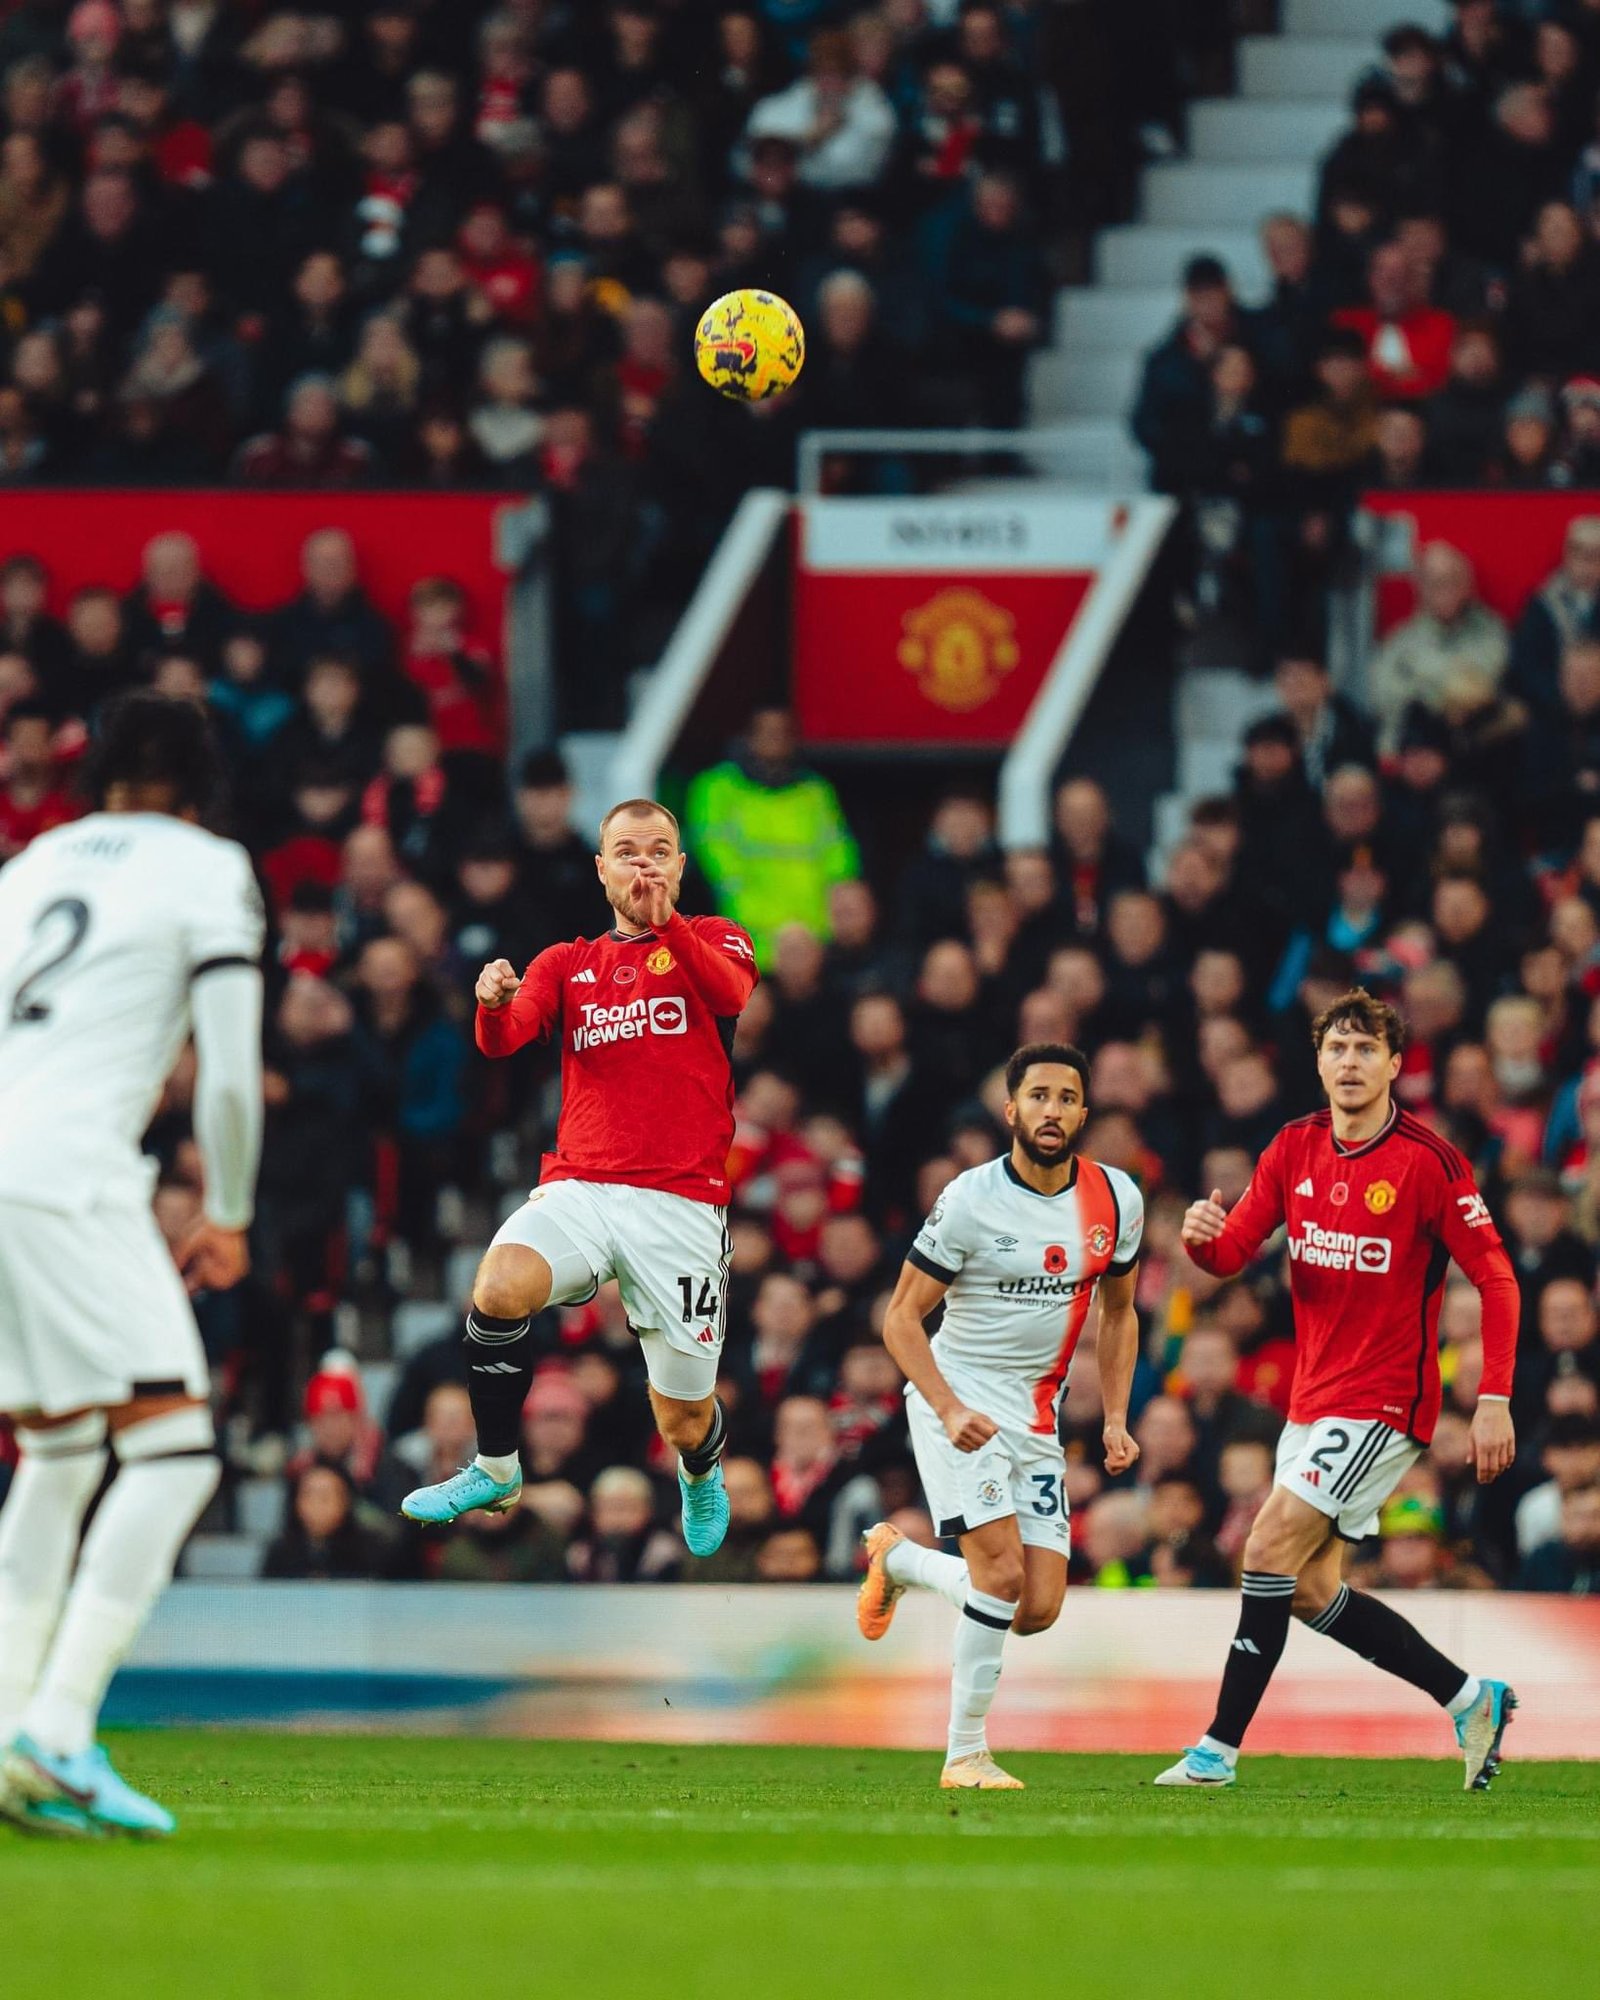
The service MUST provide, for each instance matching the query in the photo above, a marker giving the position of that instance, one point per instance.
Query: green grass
(381, 1869)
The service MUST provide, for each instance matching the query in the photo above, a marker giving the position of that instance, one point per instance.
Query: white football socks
(501, 1470)
(980, 1638)
(928, 1569)
(1471, 1689)
(168, 1473)
(58, 1475)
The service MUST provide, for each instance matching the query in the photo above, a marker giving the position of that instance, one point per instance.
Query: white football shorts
(1018, 1471)
(669, 1256)
(1345, 1467)
(92, 1310)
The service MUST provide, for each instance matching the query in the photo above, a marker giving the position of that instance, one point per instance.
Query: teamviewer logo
(668, 1016)
(1373, 1253)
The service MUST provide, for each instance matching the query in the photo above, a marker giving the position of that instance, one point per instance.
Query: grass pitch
(382, 1869)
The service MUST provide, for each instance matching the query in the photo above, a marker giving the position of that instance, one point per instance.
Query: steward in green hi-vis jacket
(770, 836)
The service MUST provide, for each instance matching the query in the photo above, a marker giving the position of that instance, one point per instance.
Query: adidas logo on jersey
(1305, 1187)
(584, 978)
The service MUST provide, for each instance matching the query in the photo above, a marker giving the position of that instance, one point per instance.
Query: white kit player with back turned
(1018, 1250)
(119, 934)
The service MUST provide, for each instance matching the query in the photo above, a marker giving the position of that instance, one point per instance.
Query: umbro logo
(584, 978)
(1305, 1187)
(1005, 1243)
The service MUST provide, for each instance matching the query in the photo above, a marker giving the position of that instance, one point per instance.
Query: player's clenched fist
(1204, 1221)
(1121, 1448)
(968, 1429)
(497, 984)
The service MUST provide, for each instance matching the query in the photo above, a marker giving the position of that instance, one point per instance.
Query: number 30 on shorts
(1047, 1494)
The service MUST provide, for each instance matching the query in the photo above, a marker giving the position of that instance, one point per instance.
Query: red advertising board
(928, 621)
(250, 543)
(1513, 539)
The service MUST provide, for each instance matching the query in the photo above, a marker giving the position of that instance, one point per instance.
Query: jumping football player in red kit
(636, 1188)
(1376, 1205)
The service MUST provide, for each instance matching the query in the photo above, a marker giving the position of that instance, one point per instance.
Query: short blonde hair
(639, 809)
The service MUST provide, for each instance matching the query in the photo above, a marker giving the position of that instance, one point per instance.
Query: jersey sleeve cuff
(1122, 1269)
(926, 1264)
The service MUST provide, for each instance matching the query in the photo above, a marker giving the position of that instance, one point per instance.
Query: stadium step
(1090, 454)
(1301, 68)
(259, 1506)
(1097, 382)
(223, 1558)
(1091, 316)
(1227, 131)
(418, 1323)
(1191, 192)
(1144, 256)
(1371, 18)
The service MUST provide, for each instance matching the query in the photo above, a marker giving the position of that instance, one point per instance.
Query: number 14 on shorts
(701, 1305)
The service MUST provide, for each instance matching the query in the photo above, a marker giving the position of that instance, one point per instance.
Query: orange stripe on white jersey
(1097, 1222)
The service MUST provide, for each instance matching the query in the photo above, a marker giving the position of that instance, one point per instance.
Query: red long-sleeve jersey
(1371, 1230)
(646, 1026)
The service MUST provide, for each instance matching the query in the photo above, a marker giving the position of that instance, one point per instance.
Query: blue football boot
(459, 1494)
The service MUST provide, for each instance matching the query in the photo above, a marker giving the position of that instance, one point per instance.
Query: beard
(1045, 1156)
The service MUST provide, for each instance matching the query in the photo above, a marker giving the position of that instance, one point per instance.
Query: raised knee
(682, 1425)
(1035, 1618)
(501, 1291)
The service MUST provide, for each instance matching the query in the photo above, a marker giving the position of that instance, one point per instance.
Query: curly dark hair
(1362, 1011)
(1046, 1052)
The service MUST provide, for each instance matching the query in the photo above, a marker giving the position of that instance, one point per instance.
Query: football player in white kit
(119, 934)
(1018, 1249)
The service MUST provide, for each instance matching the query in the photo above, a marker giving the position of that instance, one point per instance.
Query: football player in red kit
(1376, 1205)
(636, 1188)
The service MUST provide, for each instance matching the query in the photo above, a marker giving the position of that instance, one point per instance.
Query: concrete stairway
(1249, 156)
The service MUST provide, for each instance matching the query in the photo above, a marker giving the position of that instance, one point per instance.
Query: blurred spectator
(324, 1542)
(623, 1544)
(770, 835)
(1451, 627)
(1569, 1563)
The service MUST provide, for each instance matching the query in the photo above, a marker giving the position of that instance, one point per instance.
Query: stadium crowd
(519, 246)
(1435, 322)
(442, 244)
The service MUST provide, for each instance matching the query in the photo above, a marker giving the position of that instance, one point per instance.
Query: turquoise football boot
(705, 1511)
(1479, 1731)
(91, 1783)
(459, 1494)
(1200, 1766)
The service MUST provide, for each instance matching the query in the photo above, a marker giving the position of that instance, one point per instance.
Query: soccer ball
(750, 345)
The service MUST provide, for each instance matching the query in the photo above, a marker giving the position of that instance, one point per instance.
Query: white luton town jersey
(1022, 1268)
(103, 924)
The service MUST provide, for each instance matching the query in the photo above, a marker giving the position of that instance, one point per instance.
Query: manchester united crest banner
(936, 620)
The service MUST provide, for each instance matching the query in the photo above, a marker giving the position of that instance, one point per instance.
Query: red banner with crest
(928, 621)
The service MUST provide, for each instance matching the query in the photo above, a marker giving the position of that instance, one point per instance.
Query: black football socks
(1390, 1642)
(1258, 1644)
(499, 1376)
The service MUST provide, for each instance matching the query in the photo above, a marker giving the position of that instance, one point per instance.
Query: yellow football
(750, 345)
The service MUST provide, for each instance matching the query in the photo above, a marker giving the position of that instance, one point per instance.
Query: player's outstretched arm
(721, 969)
(1118, 1351)
(904, 1335)
(1222, 1243)
(514, 1010)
